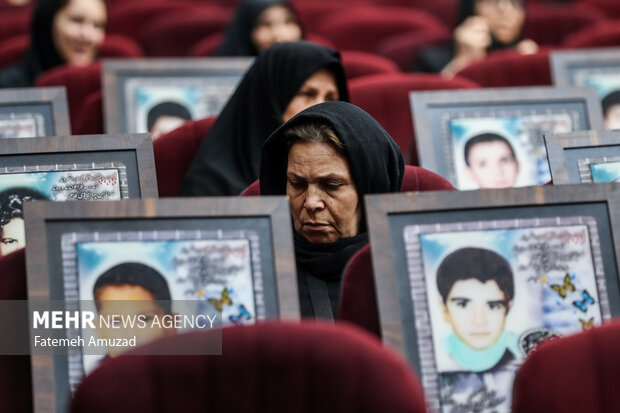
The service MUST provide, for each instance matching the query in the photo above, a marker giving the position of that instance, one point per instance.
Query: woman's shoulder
(14, 76)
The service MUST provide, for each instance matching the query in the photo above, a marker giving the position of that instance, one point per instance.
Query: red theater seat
(90, 119)
(12, 49)
(579, 373)
(174, 33)
(80, 81)
(174, 153)
(13, 24)
(268, 367)
(548, 25)
(509, 68)
(609, 7)
(358, 64)
(605, 34)
(403, 48)
(15, 377)
(358, 302)
(364, 27)
(386, 98)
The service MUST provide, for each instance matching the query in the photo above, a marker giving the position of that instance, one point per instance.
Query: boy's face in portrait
(612, 117)
(130, 300)
(477, 312)
(492, 165)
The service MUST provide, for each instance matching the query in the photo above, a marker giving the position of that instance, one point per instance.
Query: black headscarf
(229, 158)
(238, 40)
(41, 54)
(376, 165)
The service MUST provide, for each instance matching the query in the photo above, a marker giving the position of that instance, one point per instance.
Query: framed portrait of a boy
(469, 283)
(493, 138)
(158, 95)
(598, 68)
(584, 156)
(70, 168)
(230, 260)
(34, 112)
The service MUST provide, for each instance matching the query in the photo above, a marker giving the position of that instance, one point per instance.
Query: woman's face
(12, 236)
(78, 30)
(504, 17)
(323, 196)
(275, 24)
(318, 88)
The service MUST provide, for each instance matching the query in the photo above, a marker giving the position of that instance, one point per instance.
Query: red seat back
(15, 377)
(364, 27)
(608, 7)
(579, 373)
(403, 48)
(174, 153)
(358, 64)
(80, 81)
(13, 24)
(13, 49)
(509, 68)
(358, 301)
(550, 24)
(174, 33)
(90, 119)
(386, 98)
(605, 34)
(267, 367)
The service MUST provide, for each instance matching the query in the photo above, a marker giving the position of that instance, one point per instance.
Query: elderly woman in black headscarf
(61, 32)
(484, 26)
(283, 81)
(258, 25)
(325, 159)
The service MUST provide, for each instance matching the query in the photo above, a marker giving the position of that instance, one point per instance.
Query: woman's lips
(314, 226)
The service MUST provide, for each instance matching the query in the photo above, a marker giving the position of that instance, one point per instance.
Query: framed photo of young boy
(70, 168)
(233, 256)
(584, 156)
(468, 283)
(158, 95)
(598, 68)
(34, 112)
(493, 138)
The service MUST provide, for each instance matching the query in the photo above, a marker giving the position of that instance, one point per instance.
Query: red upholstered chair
(312, 13)
(252, 190)
(174, 33)
(15, 378)
(174, 153)
(358, 64)
(13, 24)
(579, 373)
(549, 24)
(509, 68)
(358, 300)
(403, 48)
(90, 119)
(364, 27)
(79, 81)
(609, 7)
(131, 17)
(12, 49)
(605, 34)
(386, 98)
(268, 367)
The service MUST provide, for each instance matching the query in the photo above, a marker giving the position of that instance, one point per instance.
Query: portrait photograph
(160, 104)
(606, 171)
(76, 182)
(177, 272)
(493, 285)
(607, 84)
(503, 152)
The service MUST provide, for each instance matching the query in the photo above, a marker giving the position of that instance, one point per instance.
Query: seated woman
(485, 25)
(258, 25)
(325, 160)
(61, 32)
(283, 81)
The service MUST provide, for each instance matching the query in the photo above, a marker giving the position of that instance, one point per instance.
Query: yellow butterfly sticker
(219, 303)
(561, 289)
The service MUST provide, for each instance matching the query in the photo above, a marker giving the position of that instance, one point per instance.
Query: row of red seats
(165, 28)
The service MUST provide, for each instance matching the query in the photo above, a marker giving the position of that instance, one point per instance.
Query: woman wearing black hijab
(61, 31)
(325, 159)
(484, 26)
(259, 24)
(284, 80)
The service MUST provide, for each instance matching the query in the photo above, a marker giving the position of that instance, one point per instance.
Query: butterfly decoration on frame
(224, 299)
(243, 315)
(567, 286)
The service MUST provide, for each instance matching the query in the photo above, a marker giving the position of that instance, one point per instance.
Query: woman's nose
(314, 199)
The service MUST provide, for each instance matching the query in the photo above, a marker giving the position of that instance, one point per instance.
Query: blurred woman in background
(259, 24)
(61, 32)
